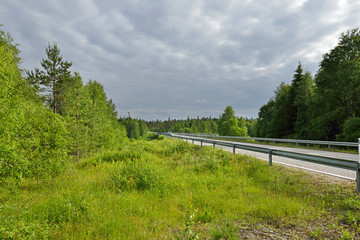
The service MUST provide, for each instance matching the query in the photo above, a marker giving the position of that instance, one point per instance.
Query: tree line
(227, 125)
(135, 128)
(49, 117)
(322, 107)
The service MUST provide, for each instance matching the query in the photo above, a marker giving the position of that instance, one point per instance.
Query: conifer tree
(53, 79)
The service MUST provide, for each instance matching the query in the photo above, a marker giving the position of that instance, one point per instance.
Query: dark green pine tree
(303, 103)
(52, 80)
(291, 105)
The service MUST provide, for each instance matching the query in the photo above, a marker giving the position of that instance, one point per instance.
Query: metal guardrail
(296, 141)
(329, 161)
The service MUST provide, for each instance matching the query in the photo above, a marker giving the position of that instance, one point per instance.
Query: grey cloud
(182, 58)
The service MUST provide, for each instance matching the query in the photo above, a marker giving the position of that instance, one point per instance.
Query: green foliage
(275, 116)
(189, 233)
(351, 218)
(350, 130)
(281, 124)
(65, 208)
(98, 124)
(54, 79)
(152, 136)
(15, 229)
(229, 125)
(161, 137)
(316, 234)
(37, 142)
(337, 84)
(346, 235)
(203, 125)
(224, 231)
(10, 102)
(263, 125)
(132, 129)
(239, 126)
(136, 175)
(135, 128)
(143, 129)
(320, 108)
(33, 140)
(303, 98)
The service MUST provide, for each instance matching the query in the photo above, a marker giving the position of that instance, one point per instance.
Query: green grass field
(169, 189)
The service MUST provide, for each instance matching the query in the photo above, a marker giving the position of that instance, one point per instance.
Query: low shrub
(19, 229)
(161, 137)
(138, 175)
(152, 136)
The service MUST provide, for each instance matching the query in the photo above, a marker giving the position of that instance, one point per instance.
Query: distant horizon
(181, 118)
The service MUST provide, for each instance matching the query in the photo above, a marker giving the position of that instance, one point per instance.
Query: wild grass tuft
(139, 175)
(69, 207)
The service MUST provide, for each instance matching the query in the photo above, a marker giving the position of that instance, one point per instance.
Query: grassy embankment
(168, 189)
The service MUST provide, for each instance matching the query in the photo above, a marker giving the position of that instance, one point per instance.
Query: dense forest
(227, 125)
(321, 107)
(49, 117)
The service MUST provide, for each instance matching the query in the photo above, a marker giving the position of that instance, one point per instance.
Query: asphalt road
(337, 172)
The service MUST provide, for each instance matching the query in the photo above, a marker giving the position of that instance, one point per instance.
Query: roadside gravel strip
(337, 172)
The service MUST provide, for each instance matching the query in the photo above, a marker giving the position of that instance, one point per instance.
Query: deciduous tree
(337, 92)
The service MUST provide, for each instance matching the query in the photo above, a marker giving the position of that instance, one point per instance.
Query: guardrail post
(201, 143)
(234, 149)
(358, 177)
(214, 145)
(270, 157)
(358, 171)
(193, 141)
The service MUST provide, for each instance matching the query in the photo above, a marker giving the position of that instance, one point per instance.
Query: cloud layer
(160, 59)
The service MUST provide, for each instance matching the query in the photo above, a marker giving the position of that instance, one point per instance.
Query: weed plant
(168, 189)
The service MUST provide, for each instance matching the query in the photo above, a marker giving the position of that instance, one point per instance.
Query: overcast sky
(169, 58)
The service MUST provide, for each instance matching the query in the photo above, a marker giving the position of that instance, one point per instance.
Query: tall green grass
(168, 189)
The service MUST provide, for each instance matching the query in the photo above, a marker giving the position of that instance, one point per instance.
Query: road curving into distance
(337, 172)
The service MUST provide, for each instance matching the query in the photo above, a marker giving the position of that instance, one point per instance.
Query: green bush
(137, 175)
(350, 130)
(161, 137)
(19, 229)
(152, 136)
